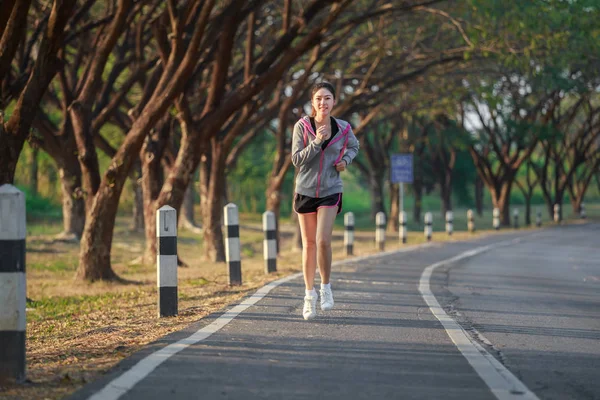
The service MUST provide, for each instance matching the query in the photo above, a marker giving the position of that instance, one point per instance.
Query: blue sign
(402, 168)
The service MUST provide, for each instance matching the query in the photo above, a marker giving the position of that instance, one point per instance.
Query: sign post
(402, 172)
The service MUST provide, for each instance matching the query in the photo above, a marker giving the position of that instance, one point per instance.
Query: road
(537, 303)
(532, 300)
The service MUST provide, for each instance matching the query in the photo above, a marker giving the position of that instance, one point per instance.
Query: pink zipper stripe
(343, 147)
(308, 126)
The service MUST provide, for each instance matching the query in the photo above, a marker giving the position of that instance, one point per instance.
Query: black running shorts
(308, 205)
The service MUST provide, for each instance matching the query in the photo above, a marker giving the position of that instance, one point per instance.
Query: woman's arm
(302, 155)
(351, 148)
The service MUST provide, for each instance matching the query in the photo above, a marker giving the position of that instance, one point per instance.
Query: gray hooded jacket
(317, 176)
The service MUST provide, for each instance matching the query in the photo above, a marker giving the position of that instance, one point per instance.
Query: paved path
(537, 303)
(381, 340)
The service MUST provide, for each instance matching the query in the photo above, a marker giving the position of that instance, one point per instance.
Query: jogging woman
(322, 147)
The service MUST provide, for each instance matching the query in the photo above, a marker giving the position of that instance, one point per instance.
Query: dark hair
(315, 89)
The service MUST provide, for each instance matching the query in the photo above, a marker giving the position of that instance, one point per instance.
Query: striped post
(428, 225)
(538, 218)
(470, 221)
(232, 244)
(496, 214)
(270, 242)
(12, 284)
(166, 261)
(380, 230)
(449, 222)
(516, 218)
(582, 213)
(349, 233)
(557, 213)
(402, 231)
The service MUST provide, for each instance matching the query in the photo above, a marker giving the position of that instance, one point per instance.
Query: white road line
(119, 386)
(370, 282)
(503, 384)
(122, 384)
(125, 382)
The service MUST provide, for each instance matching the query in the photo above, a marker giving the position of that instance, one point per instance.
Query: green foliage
(39, 207)
(247, 182)
(464, 175)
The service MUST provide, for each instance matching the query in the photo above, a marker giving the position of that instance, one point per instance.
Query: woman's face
(323, 102)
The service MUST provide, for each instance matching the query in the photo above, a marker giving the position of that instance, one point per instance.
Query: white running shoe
(310, 307)
(326, 299)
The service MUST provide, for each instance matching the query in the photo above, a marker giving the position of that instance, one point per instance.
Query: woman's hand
(341, 166)
(323, 133)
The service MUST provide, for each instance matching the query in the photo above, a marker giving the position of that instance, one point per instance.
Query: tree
(527, 189)
(187, 52)
(24, 90)
(511, 123)
(570, 155)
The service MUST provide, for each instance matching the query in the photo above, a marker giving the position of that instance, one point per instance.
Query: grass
(76, 331)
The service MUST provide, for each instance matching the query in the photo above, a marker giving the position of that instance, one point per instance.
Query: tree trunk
(96, 240)
(273, 194)
(393, 223)
(10, 148)
(212, 212)
(418, 193)
(86, 150)
(576, 204)
(528, 209)
(578, 186)
(152, 181)
(446, 196)
(559, 197)
(137, 222)
(187, 212)
(15, 131)
(376, 189)
(501, 200)
(33, 171)
(479, 196)
(73, 206)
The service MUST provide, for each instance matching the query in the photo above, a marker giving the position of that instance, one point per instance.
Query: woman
(322, 147)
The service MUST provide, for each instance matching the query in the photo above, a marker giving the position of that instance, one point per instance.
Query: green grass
(55, 266)
(63, 308)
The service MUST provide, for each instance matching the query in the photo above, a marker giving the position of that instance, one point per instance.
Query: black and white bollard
(270, 242)
(428, 225)
(449, 222)
(166, 261)
(496, 221)
(538, 218)
(470, 221)
(516, 218)
(557, 213)
(380, 230)
(232, 244)
(349, 233)
(12, 284)
(582, 213)
(402, 231)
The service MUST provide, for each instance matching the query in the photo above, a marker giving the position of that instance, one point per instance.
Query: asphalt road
(537, 301)
(535, 305)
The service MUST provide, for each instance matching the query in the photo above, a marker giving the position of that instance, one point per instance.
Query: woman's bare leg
(308, 228)
(325, 220)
